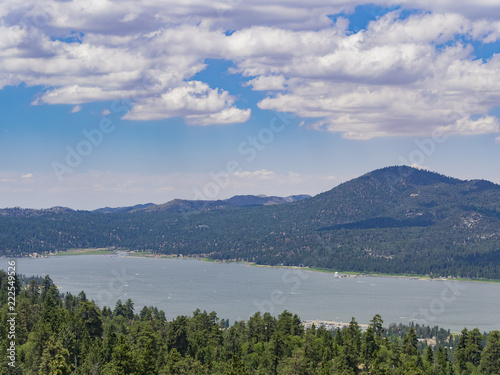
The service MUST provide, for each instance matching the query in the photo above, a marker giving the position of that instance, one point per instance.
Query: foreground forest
(397, 220)
(67, 334)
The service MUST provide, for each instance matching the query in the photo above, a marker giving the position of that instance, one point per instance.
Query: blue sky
(135, 102)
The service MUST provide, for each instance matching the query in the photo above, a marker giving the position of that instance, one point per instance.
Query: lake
(235, 291)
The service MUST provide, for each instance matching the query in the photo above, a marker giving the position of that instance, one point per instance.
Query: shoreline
(312, 269)
(90, 251)
(149, 254)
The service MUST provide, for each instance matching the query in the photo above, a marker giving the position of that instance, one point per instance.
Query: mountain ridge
(391, 220)
(175, 205)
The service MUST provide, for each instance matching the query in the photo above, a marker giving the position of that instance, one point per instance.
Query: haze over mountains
(183, 205)
(393, 220)
(176, 205)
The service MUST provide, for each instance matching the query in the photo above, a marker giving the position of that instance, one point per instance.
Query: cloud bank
(401, 75)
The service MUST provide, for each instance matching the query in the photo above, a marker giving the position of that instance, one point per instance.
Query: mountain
(30, 212)
(183, 205)
(392, 220)
(114, 210)
(176, 205)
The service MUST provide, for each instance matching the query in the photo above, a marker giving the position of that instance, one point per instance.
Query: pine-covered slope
(394, 220)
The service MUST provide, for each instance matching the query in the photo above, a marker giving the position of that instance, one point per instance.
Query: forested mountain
(67, 334)
(183, 205)
(392, 220)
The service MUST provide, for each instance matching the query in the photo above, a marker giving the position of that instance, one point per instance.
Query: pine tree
(376, 324)
(145, 361)
(442, 362)
(490, 358)
(54, 359)
(474, 347)
(460, 351)
(123, 362)
(429, 355)
(410, 342)
(369, 345)
(237, 368)
(91, 317)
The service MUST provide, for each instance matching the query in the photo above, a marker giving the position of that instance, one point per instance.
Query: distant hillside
(114, 210)
(29, 212)
(392, 220)
(183, 205)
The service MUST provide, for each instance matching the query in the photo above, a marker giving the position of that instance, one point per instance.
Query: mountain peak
(393, 220)
(403, 175)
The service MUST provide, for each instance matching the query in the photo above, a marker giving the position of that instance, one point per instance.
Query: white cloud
(76, 109)
(468, 126)
(259, 175)
(419, 28)
(226, 116)
(195, 101)
(478, 9)
(365, 88)
(268, 83)
(27, 175)
(486, 31)
(394, 78)
(165, 189)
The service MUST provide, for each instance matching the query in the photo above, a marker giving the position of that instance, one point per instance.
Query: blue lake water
(236, 291)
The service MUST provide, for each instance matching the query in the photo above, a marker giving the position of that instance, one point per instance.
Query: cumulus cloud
(145, 70)
(468, 126)
(478, 9)
(226, 116)
(399, 76)
(195, 101)
(486, 31)
(365, 88)
(268, 83)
